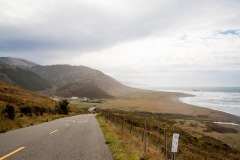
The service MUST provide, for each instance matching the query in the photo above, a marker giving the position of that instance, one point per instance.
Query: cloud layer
(143, 41)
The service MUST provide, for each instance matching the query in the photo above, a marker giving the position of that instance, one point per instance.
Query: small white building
(74, 98)
(84, 99)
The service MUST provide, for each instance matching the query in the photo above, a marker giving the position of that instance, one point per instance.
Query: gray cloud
(84, 27)
(142, 40)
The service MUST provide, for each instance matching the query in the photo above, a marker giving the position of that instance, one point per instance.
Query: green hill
(20, 107)
(82, 90)
(22, 77)
(17, 62)
(62, 75)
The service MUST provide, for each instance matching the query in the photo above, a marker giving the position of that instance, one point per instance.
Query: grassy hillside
(17, 62)
(82, 90)
(61, 75)
(22, 77)
(80, 80)
(199, 135)
(20, 107)
(193, 144)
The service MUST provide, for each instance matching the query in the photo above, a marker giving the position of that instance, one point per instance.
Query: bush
(38, 111)
(63, 106)
(26, 110)
(9, 112)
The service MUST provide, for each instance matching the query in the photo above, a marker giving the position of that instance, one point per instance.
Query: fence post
(131, 127)
(145, 141)
(165, 141)
(174, 156)
(123, 124)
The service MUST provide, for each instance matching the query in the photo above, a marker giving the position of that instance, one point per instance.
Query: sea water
(225, 99)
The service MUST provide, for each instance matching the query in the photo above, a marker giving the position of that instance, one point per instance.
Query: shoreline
(187, 98)
(166, 102)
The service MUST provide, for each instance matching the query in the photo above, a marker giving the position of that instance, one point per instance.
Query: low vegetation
(20, 107)
(192, 145)
(24, 77)
(83, 105)
(119, 143)
(83, 89)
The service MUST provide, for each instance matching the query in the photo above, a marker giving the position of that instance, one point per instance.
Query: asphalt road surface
(72, 138)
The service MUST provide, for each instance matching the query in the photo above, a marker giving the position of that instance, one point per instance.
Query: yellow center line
(53, 131)
(67, 125)
(8, 155)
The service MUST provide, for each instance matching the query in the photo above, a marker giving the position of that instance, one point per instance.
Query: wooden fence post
(131, 127)
(165, 141)
(145, 141)
(123, 124)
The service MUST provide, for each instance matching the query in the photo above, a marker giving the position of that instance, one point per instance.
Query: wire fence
(161, 138)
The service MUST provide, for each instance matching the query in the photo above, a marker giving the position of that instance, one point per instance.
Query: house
(84, 99)
(74, 98)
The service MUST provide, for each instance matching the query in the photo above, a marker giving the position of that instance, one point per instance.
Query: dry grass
(190, 118)
(82, 105)
(194, 142)
(165, 102)
(126, 146)
(18, 98)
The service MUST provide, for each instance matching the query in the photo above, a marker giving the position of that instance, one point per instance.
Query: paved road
(102, 104)
(72, 138)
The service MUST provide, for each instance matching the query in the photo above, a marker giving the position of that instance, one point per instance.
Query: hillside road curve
(73, 138)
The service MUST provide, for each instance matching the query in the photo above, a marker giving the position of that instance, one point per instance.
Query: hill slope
(61, 75)
(86, 81)
(82, 90)
(17, 62)
(22, 77)
(20, 107)
(17, 96)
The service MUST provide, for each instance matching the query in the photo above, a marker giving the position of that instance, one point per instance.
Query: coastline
(223, 117)
(167, 107)
(167, 103)
(226, 102)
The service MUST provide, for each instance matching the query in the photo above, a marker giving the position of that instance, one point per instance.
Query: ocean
(225, 99)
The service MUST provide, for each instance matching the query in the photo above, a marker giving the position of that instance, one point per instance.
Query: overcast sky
(146, 43)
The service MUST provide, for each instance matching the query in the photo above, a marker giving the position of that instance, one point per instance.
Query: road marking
(53, 131)
(67, 125)
(8, 155)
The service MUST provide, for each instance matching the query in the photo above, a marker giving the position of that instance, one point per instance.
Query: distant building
(84, 99)
(74, 98)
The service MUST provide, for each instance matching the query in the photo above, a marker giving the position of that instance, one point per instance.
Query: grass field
(123, 145)
(192, 144)
(164, 110)
(82, 105)
(165, 102)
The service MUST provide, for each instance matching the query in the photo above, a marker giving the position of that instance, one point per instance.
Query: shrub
(63, 106)
(38, 110)
(26, 110)
(9, 112)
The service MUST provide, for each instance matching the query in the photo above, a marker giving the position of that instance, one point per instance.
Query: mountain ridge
(17, 62)
(81, 80)
(21, 77)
